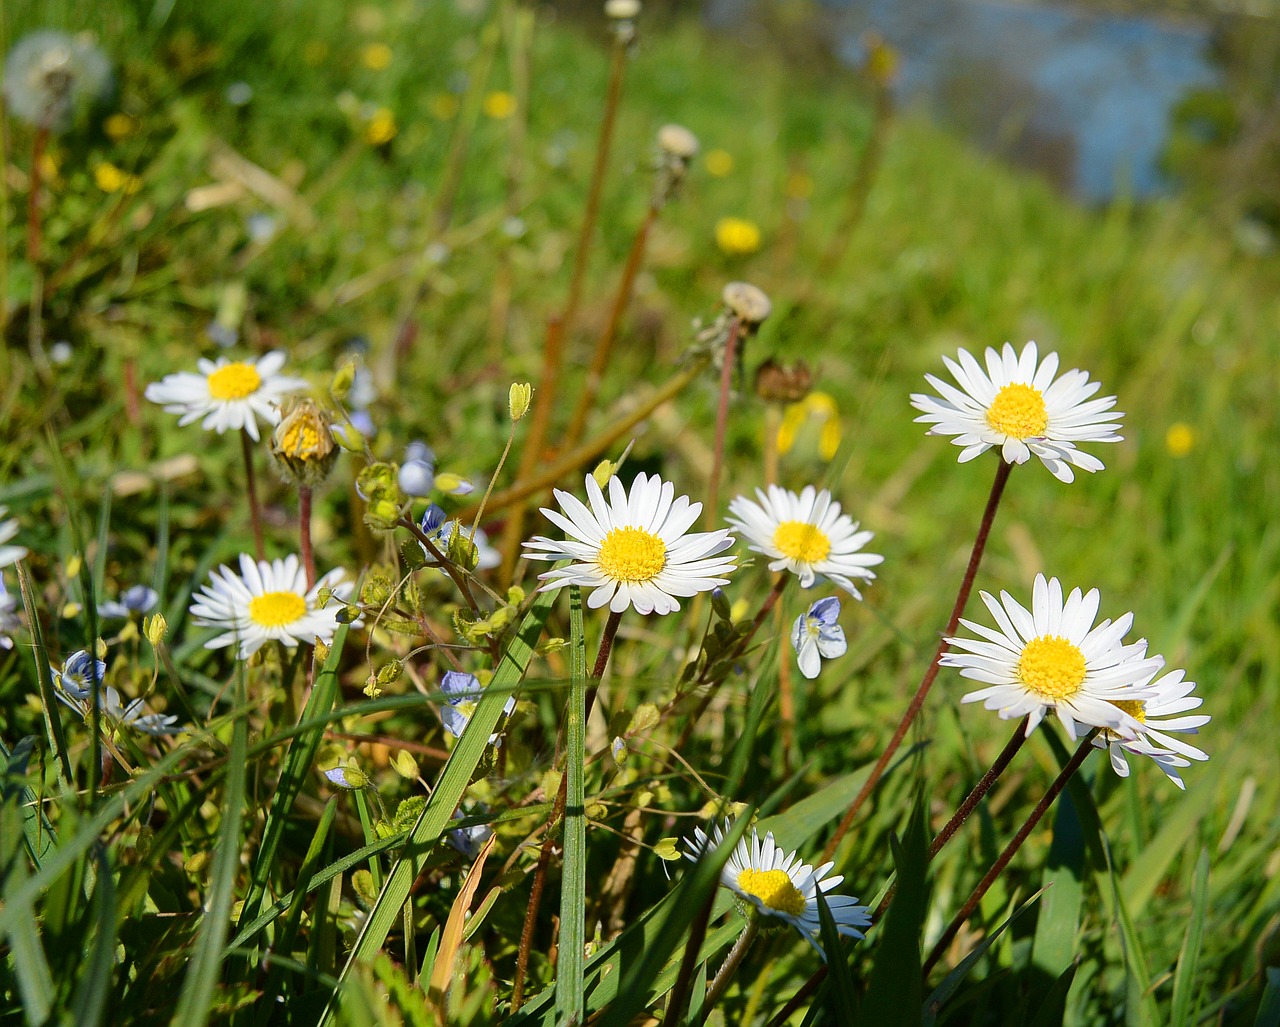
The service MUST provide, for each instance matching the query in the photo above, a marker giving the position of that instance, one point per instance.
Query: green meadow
(393, 196)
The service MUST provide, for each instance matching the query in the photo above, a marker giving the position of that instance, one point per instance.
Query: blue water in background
(1084, 98)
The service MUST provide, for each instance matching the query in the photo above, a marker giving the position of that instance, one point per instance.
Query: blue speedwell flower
(462, 692)
(816, 636)
(138, 599)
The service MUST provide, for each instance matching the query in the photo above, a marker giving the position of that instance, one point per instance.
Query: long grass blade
(95, 983)
(573, 884)
(1182, 1012)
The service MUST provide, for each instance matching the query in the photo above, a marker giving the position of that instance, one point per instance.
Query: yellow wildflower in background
(120, 126)
(1180, 439)
(442, 106)
(111, 179)
(737, 237)
(381, 128)
(499, 105)
(719, 163)
(820, 406)
(376, 56)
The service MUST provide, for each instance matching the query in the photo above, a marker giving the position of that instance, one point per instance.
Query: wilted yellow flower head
(737, 237)
(779, 383)
(303, 442)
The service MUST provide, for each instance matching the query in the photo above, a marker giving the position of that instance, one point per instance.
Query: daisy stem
(728, 968)
(722, 420)
(917, 701)
(251, 489)
(304, 534)
(968, 806)
(1010, 850)
(602, 658)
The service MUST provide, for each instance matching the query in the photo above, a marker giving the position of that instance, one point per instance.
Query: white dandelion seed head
(52, 78)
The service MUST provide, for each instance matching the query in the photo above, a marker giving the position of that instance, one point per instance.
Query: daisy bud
(303, 444)
(343, 379)
(518, 399)
(346, 436)
(405, 765)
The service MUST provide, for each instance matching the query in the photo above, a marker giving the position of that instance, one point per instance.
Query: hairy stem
(251, 490)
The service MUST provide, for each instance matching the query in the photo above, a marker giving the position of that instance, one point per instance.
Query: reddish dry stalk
(722, 421)
(304, 534)
(34, 233)
(1010, 850)
(251, 490)
(917, 701)
(604, 345)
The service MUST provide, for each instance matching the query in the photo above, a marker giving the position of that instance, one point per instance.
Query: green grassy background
(954, 250)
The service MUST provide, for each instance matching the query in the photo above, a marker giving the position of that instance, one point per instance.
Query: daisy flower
(635, 549)
(779, 885)
(268, 600)
(8, 528)
(1055, 658)
(228, 394)
(9, 620)
(1168, 697)
(1018, 405)
(816, 636)
(805, 534)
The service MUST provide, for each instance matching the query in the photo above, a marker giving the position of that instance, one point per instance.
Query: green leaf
(95, 982)
(206, 960)
(1063, 884)
(839, 979)
(573, 884)
(1182, 1012)
(1053, 1008)
(444, 799)
(1269, 1007)
(895, 983)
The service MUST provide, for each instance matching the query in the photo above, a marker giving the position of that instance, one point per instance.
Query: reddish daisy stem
(917, 701)
(722, 421)
(1010, 850)
(304, 534)
(557, 811)
(251, 489)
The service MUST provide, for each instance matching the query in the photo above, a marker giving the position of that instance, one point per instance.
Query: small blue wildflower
(816, 636)
(462, 692)
(468, 840)
(137, 599)
(79, 671)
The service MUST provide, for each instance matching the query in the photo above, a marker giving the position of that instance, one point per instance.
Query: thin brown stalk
(251, 490)
(722, 422)
(1010, 850)
(930, 674)
(604, 345)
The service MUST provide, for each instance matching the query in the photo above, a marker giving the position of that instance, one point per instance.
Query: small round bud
(621, 10)
(746, 302)
(678, 141)
(777, 383)
(519, 397)
(156, 627)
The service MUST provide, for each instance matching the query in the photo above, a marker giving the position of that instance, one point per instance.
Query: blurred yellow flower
(120, 126)
(820, 406)
(499, 105)
(737, 236)
(381, 128)
(376, 56)
(719, 163)
(442, 106)
(314, 52)
(1180, 439)
(111, 179)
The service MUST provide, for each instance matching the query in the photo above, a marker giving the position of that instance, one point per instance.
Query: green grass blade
(573, 884)
(1269, 1007)
(1063, 884)
(293, 775)
(95, 982)
(53, 724)
(1053, 1008)
(844, 999)
(1182, 1012)
(37, 832)
(895, 983)
(444, 799)
(30, 968)
(1140, 1005)
(206, 962)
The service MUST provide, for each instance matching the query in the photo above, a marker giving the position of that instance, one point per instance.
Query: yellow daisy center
(774, 888)
(632, 554)
(801, 541)
(275, 609)
(234, 381)
(1018, 411)
(1136, 708)
(1052, 667)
